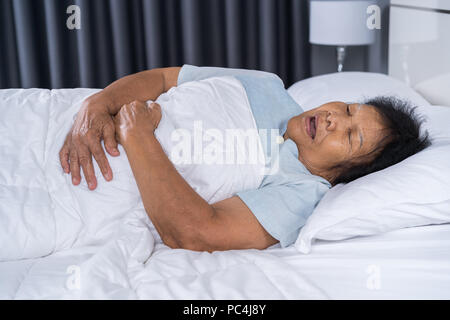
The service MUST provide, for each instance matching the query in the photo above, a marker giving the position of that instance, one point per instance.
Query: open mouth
(311, 126)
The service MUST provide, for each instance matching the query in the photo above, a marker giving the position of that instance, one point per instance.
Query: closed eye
(350, 137)
(349, 130)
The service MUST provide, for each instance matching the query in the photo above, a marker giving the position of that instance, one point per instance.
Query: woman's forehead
(370, 123)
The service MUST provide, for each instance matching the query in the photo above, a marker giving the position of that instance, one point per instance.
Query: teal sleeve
(286, 199)
(283, 210)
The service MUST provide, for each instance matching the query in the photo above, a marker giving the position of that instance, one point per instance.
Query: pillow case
(435, 89)
(411, 193)
(350, 86)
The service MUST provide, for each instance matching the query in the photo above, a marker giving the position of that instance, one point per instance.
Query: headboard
(419, 47)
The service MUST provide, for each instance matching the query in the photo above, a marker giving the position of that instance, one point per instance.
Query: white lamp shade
(340, 23)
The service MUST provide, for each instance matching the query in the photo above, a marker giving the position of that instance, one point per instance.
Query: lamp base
(340, 54)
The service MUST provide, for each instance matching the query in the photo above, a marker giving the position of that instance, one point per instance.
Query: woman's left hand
(136, 120)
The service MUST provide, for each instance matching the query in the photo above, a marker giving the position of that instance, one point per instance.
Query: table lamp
(340, 23)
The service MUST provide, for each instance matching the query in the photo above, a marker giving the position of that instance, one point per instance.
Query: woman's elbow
(187, 242)
(196, 234)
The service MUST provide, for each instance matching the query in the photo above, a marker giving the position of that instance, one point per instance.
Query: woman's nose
(330, 121)
(335, 120)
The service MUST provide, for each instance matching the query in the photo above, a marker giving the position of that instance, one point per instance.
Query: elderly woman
(333, 143)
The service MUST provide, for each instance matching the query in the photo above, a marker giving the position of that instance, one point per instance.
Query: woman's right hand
(94, 121)
(93, 124)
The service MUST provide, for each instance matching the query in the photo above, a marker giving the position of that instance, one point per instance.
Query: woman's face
(334, 133)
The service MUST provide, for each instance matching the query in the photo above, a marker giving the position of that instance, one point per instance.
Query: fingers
(109, 136)
(100, 157)
(85, 161)
(155, 106)
(92, 124)
(81, 157)
(74, 167)
(64, 157)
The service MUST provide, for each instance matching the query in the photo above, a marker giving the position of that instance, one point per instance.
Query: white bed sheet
(412, 263)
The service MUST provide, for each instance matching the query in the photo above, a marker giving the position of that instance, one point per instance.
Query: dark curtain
(120, 37)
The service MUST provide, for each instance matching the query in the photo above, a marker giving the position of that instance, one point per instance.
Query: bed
(409, 263)
(412, 262)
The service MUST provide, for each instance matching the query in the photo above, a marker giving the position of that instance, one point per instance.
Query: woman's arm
(141, 86)
(94, 122)
(182, 218)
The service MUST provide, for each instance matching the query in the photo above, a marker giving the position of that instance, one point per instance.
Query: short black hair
(402, 141)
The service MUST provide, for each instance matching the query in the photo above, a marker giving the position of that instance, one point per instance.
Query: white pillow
(412, 193)
(436, 89)
(350, 86)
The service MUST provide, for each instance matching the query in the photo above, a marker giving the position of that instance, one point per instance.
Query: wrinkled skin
(92, 125)
(342, 135)
(136, 119)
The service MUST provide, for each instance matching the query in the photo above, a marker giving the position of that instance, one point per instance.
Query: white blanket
(41, 212)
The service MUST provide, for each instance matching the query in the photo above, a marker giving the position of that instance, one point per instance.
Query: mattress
(127, 260)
